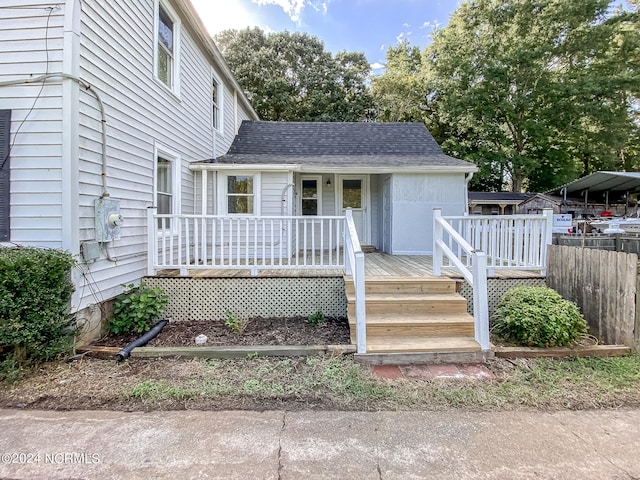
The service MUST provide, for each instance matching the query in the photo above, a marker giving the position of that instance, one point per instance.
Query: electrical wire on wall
(35, 101)
(84, 270)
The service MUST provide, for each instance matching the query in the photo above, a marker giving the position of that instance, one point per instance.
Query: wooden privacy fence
(604, 285)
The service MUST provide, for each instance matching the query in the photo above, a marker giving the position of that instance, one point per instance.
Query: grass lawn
(320, 383)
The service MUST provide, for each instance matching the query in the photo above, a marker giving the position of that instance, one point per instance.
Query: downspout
(143, 340)
(283, 200)
(467, 178)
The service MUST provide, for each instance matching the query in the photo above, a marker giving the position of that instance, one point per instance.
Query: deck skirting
(209, 298)
(194, 298)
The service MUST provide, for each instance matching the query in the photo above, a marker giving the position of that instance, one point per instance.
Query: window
(215, 104)
(5, 124)
(166, 48)
(311, 196)
(167, 186)
(240, 194)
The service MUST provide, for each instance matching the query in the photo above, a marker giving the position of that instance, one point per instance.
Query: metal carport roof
(602, 182)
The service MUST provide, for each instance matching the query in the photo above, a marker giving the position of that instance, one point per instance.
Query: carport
(610, 186)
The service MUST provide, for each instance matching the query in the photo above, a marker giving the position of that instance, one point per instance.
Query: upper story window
(217, 100)
(215, 105)
(167, 47)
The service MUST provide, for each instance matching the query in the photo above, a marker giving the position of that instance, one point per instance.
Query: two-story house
(103, 106)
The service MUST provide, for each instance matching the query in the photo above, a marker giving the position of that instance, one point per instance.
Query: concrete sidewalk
(319, 445)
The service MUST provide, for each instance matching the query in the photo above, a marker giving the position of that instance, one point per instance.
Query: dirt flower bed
(258, 331)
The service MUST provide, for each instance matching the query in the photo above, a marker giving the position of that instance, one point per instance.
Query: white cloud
(376, 66)
(235, 16)
(406, 25)
(431, 24)
(382, 47)
(294, 8)
(400, 37)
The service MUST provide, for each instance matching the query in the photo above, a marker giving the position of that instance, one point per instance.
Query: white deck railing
(475, 245)
(447, 242)
(189, 242)
(354, 266)
(511, 242)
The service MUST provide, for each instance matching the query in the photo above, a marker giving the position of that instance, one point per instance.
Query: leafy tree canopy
(290, 76)
(536, 92)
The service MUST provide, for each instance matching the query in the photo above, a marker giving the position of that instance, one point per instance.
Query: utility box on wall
(108, 219)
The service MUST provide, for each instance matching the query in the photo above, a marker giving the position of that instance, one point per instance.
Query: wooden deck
(377, 264)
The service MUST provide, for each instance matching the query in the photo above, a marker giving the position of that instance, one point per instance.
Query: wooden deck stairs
(415, 320)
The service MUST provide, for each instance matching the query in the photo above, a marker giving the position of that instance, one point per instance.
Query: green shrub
(316, 319)
(234, 323)
(538, 317)
(35, 296)
(135, 308)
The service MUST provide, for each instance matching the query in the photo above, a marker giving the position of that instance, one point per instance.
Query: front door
(353, 193)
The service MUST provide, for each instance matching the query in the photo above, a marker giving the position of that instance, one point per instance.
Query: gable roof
(317, 145)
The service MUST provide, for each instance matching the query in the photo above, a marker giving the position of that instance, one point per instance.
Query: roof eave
(332, 169)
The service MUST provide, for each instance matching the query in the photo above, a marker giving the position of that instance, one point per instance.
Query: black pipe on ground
(139, 342)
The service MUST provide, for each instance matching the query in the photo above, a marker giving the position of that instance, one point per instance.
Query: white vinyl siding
(414, 197)
(115, 56)
(140, 112)
(36, 164)
(273, 192)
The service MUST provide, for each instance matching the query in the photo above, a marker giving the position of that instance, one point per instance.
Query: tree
(399, 94)
(535, 92)
(290, 76)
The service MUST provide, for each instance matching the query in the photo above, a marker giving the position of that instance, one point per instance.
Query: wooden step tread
(389, 344)
(409, 297)
(415, 319)
(405, 285)
(391, 279)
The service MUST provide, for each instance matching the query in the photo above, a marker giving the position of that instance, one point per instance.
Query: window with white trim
(167, 46)
(311, 195)
(167, 185)
(215, 105)
(241, 194)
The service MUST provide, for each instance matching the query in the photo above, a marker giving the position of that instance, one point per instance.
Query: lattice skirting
(209, 298)
(496, 288)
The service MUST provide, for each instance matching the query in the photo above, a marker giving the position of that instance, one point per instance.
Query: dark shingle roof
(498, 196)
(337, 144)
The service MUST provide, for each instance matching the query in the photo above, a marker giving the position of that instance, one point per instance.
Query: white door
(353, 193)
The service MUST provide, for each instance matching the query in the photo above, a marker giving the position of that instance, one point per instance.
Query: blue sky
(368, 26)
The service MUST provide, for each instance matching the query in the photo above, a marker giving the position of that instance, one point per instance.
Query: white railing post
(437, 238)
(354, 265)
(152, 245)
(361, 322)
(548, 239)
(348, 250)
(480, 300)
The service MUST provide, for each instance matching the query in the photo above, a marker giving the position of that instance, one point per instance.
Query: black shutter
(5, 126)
